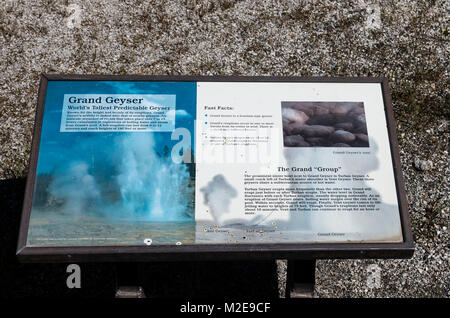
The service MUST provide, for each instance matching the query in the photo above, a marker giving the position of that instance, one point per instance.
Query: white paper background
(265, 98)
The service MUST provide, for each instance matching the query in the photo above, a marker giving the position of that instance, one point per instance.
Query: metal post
(300, 278)
(128, 281)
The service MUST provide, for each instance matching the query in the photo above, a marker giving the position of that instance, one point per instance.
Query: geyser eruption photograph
(115, 187)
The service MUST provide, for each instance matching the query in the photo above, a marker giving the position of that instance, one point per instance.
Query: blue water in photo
(113, 188)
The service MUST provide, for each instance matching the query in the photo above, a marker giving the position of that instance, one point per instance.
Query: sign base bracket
(300, 278)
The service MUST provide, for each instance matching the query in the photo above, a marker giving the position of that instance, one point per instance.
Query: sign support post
(300, 279)
(128, 281)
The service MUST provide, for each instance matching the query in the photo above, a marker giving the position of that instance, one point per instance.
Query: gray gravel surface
(406, 41)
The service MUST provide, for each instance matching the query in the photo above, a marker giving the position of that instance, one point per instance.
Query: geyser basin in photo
(145, 168)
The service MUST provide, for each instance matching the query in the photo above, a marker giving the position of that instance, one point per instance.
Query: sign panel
(212, 165)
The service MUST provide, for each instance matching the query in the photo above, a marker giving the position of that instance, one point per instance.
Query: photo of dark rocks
(324, 124)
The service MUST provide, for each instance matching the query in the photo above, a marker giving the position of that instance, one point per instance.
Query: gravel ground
(406, 41)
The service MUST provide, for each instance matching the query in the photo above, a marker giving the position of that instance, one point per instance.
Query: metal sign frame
(130, 253)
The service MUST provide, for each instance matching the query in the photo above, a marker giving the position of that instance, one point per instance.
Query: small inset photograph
(324, 124)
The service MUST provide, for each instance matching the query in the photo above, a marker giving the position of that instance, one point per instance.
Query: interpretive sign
(146, 167)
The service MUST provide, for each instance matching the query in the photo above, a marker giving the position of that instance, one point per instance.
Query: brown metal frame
(133, 253)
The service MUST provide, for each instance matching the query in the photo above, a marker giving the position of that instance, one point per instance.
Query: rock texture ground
(406, 41)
